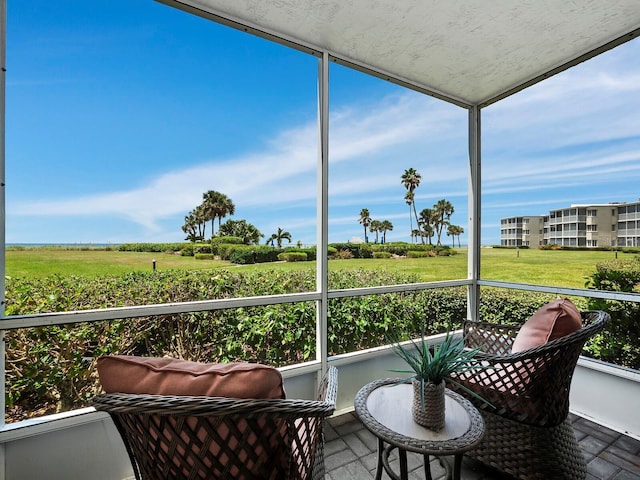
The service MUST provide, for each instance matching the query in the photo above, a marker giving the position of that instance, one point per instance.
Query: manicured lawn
(557, 268)
(41, 262)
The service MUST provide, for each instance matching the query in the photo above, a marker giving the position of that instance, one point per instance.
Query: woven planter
(432, 415)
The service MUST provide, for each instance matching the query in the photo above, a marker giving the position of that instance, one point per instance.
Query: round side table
(384, 407)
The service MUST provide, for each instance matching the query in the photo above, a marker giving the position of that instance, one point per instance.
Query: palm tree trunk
(415, 212)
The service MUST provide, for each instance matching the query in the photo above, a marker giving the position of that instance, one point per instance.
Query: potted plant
(431, 367)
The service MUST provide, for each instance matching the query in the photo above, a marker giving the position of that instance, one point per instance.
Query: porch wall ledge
(608, 395)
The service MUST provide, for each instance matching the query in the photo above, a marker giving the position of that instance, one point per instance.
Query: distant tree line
(216, 205)
(374, 226)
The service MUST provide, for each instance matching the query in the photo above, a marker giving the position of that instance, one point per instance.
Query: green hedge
(419, 254)
(247, 254)
(197, 249)
(292, 257)
(620, 344)
(309, 252)
(367, 250)
(153, 247)
(204, 256)
(55, 366)
(227, 239)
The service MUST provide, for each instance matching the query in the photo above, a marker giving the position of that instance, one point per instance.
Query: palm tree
(443, 211)
(201, 218)
(411, 180)
(209, 200)
(427, 222)
(427, 231)
(408, 198)
(365, 221)
(455, 231)
(279, 236)
(195, 225)
(385, 226)
(190, 227)
(217, 205)
(249, 234)
(223, 206)
(376, 227)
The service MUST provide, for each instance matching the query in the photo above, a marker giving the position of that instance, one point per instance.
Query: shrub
(620, 344)
(343, 255)
(152, 247)
(247, 254)
(227, 239)
(309, 252)
(365, 251)
(354, 248)
(187, 251)
(395, 248)
(292, 257)
(420, 253)
(56, 364)
(204, 256)
(381, 255)
(202, 249)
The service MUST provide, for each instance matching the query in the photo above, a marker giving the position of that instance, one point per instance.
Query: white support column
(3, 70)
(322, 209)
(473, 266)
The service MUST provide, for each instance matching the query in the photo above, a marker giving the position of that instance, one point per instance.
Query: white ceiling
(469, 51)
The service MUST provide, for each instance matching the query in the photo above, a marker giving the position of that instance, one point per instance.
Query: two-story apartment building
(589, 226)
(521, 231)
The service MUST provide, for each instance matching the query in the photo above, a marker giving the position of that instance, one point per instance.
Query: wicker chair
(197, 437)
(528, 434)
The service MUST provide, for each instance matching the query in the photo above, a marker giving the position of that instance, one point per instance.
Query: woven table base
(530, 453)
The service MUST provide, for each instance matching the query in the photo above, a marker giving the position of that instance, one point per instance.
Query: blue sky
(121, 114)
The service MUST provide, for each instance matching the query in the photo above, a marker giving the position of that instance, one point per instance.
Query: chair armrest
(328, 390)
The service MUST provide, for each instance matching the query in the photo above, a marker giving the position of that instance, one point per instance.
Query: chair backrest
(197, 437)
(531, 386)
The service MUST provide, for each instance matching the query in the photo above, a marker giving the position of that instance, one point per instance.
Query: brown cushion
(170, 376)
(553, 320)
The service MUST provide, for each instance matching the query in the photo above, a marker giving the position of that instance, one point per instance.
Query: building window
(613, 227)
(592, 213)
(592, 228)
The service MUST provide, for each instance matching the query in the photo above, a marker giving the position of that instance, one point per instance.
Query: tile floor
(351, 453)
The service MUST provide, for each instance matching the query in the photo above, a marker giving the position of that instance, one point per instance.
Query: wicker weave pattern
(182, 437)
(430, 415)
(527, 432)
(531, 386)
(530, 453)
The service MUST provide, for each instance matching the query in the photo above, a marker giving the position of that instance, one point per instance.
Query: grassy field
(558, 268)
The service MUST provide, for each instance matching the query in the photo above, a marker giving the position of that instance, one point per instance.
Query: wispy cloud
(283, 171)
(562, 141)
